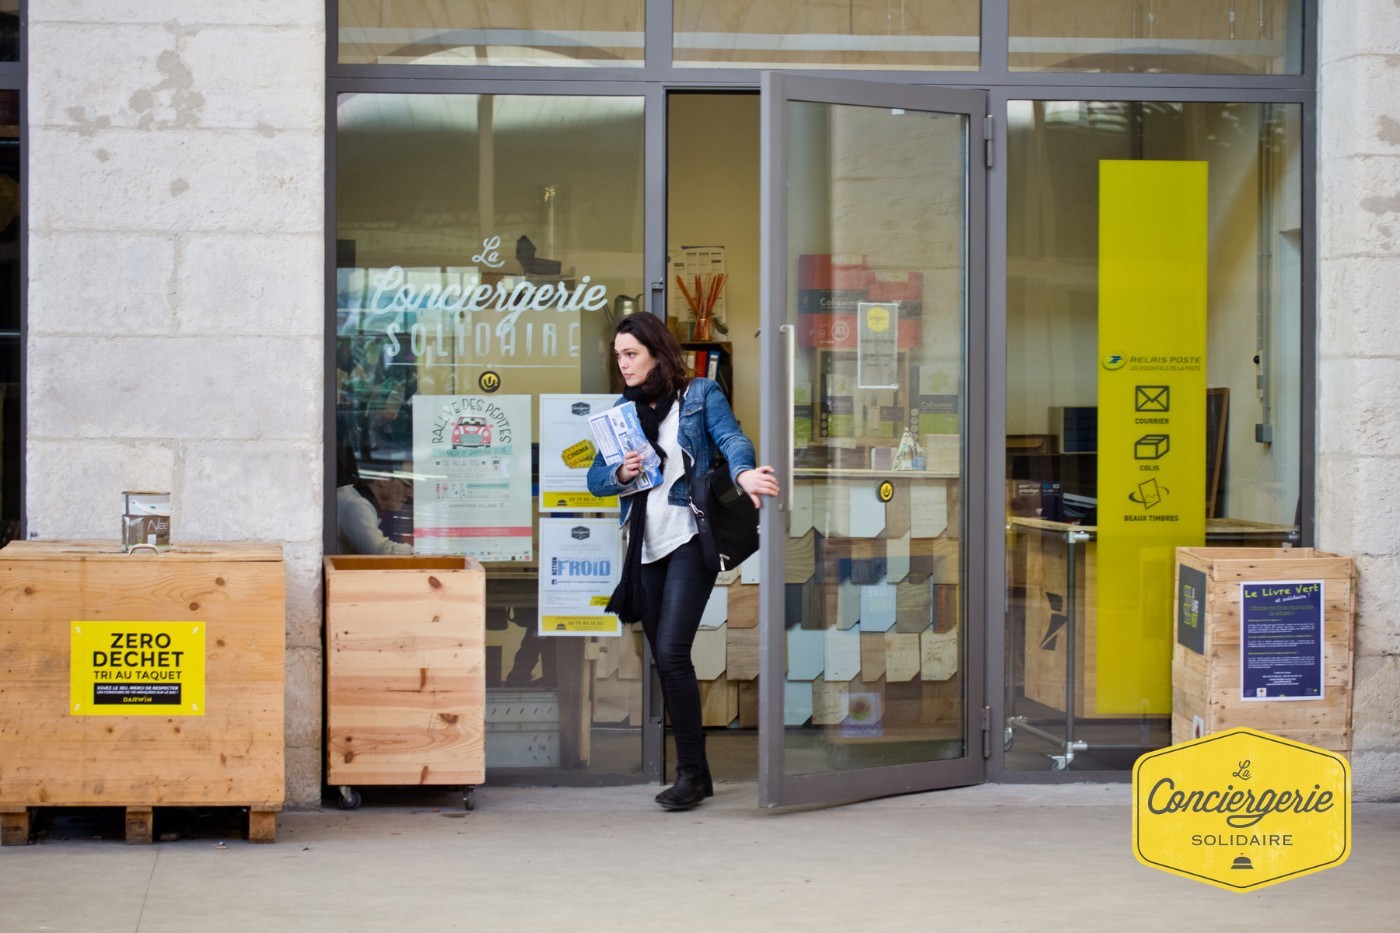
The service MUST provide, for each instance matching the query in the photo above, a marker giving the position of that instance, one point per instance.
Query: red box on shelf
(832, 273)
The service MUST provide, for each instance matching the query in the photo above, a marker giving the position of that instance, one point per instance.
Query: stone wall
(175, 319)
(1358, 374)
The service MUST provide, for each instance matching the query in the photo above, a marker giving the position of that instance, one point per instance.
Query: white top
(357, 523)
(668, 526)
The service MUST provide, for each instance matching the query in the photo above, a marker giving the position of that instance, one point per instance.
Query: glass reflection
(925, 35)
(1253, 405)
(480, 240)
(1260, 37)
(875, 566)
(526, 33)
(9, 32)
(11, 225)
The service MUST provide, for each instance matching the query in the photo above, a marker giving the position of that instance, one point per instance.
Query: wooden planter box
(79, 729)
(1206, 685)
(405, 671)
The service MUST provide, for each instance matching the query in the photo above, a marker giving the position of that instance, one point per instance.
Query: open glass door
(873, 328)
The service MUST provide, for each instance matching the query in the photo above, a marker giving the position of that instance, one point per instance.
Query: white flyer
(567, 449)
(471, 490)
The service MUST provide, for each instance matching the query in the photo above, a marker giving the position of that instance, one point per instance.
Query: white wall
(1358, 370)
(176, 324)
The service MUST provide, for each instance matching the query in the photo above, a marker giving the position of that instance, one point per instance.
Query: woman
(665, 583)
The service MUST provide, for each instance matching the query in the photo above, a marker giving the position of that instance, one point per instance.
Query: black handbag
(725, 516)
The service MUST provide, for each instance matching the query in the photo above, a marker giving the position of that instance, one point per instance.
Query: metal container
(145, 521)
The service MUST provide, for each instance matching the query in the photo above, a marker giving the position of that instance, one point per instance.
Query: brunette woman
(664, 582)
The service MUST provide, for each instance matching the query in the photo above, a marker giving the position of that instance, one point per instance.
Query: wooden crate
(228, 753)
(1207, 687)
(405, 670)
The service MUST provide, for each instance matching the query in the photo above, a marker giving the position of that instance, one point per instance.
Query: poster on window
(1281, 643)
(567, 450)
(580, 562)
(877, 345)
(471, 488)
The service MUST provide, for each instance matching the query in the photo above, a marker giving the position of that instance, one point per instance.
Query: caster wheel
(469, 799)
(349, 798)
(1058, 763)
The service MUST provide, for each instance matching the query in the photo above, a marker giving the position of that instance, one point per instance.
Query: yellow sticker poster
(1152, 419)
(136, 669)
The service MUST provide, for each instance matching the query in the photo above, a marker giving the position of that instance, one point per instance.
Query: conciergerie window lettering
(462, 309)
(481, 242)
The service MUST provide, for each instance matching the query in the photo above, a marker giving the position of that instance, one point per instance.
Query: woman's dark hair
(669, 374)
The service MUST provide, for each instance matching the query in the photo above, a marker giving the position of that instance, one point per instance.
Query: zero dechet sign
(490, 381)
(886, 491)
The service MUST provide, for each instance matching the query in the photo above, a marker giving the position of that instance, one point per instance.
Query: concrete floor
(998, 857)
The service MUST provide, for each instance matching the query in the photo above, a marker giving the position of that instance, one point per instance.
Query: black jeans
(677, 588)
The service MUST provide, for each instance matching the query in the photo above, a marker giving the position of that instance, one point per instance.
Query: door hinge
(986, 732)
(989, 131)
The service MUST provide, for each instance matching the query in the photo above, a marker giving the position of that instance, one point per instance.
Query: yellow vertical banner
(1152, 420)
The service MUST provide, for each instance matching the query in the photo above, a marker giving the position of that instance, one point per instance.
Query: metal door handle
(790, 345)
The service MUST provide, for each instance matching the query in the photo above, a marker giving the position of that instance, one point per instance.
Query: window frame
(658, 76)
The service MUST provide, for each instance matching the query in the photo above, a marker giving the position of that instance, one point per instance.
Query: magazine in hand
(617, 431)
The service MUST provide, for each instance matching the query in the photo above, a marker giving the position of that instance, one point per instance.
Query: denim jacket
(707, 424)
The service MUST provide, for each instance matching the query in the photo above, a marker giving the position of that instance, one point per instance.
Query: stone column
(1358, 374)
(176, 311)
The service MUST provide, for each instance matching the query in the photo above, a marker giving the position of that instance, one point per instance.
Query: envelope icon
(1153, 398)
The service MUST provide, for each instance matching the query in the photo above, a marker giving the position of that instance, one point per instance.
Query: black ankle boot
(706, 783)
(690, 790)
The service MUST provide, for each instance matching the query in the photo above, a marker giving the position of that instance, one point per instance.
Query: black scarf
(629, 599)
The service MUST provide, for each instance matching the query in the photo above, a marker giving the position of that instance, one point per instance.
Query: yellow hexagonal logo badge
(1242, 809)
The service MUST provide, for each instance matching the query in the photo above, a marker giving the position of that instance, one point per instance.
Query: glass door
(873, 328)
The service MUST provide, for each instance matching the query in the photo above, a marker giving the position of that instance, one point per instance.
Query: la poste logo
(1242, 809)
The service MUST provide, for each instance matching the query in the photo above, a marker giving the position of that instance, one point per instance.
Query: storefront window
(923, 35)
(1177, 367)
(1249, 37)
(481, 242)
(11, 443)
(9, 30)
(552, 33)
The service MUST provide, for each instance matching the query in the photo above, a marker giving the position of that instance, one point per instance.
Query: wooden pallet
(16, 828)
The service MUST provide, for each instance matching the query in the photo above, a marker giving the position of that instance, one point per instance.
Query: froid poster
(471, 490)
(567, 450)
(580, 561)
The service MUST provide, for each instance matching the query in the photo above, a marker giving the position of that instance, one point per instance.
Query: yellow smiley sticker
(886, 491)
